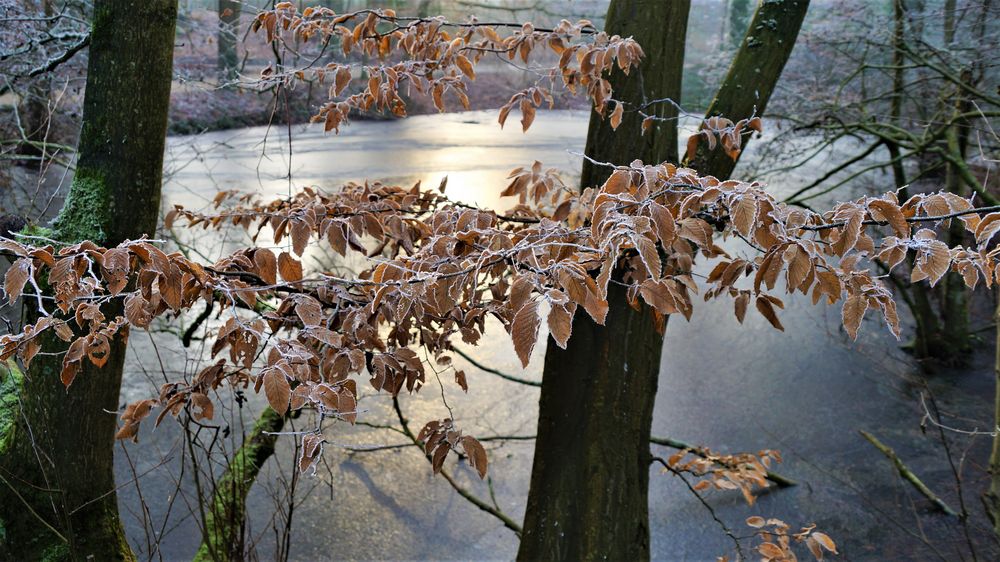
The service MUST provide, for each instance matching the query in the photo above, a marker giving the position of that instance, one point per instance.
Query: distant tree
(229, 27)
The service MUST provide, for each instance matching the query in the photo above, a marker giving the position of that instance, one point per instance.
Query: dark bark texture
(590, 476)
(57, 497)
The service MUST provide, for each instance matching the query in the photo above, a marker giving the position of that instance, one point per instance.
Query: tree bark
(752, 75)
(57, 500)
(992, 497)
(590, 476)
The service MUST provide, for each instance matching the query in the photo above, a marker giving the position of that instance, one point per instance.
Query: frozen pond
(734, 388)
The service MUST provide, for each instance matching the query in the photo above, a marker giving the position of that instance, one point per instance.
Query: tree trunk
(992, 497)
(229, 24)
(590, 477)
(57, 500)
(35, 112)
(589, 480)
(752, 75)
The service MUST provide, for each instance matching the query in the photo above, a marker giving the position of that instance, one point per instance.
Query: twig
(507, 521)
(779, 480)
(711, 510)
(907, 474)
(493, 371)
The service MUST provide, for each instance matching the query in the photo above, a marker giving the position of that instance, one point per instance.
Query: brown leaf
(267, 265)
(460, 380)
(309, 310)
(16, 277)
(527, 114)
(289, 267)
(745, 215)
(756, 521)
(692, 147)
(136, 311)
(312, 448)
(560, 324)
(203, 407)
(277, 390)
(892, 213)
(771, 551)
(300, 236)
(616, 115)
(524, 331)
(465, 66)
(663, 220)
(741, 306)
(477, 455)
(766, 308)
(342, 79)
(825, 541)
(437, 461)
(987, 227)
(853, 312)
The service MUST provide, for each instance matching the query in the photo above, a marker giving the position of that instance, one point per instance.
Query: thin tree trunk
(992, 497)
(229, 23)
(35, 115)
(738, 16)
(590, 477)
(57, 499)
(752, 75)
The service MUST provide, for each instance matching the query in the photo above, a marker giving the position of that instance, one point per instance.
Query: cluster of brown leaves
(436, 57)
(776, 541)
(719, 131)
(742, 471)
(441, 436)
(439, 269)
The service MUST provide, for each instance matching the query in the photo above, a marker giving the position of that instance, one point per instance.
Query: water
(734, 388)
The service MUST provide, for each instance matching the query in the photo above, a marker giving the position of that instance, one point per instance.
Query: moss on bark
(86, 212)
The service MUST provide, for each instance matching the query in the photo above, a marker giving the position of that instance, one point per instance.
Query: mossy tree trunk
(223, 537)
(590, 476)
(229, 24)
(753, 74)
(58, 496)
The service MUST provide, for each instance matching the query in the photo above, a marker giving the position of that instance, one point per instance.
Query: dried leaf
(853, 312)
(477, 455)
(766, 308)
(277, 390)
(289, 267)
(524, 331)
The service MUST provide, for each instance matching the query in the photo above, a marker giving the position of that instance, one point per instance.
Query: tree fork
(589, 490)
